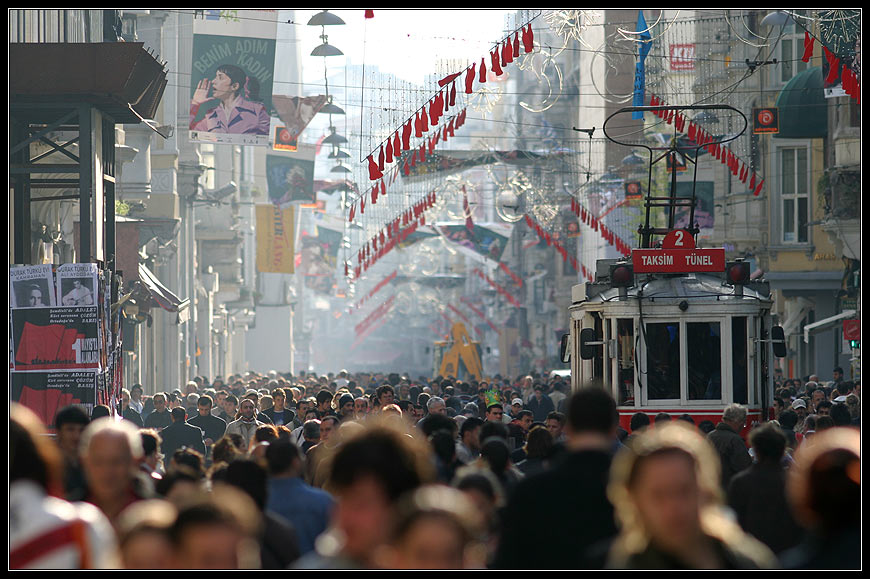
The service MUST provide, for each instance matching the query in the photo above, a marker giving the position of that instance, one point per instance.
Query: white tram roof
(696, 287)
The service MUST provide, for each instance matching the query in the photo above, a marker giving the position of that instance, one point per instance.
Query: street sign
(851, 329)
(284, 140)
(765, 120)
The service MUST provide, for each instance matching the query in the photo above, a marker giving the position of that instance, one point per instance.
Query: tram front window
(704, 369)
(663, 361)
(625, 352)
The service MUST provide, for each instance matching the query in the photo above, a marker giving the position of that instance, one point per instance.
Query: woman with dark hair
(538, 448)
(233, 107)
(46, 532)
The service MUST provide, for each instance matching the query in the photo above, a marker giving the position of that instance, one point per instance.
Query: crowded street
(435, 289)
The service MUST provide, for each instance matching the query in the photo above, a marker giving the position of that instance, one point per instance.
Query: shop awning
(803, 110)
(159, 293)
(826, 324)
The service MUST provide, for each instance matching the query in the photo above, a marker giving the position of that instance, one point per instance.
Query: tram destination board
(678, 255)
(678, 260)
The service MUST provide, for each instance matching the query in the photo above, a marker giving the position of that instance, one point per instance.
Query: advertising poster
(77, 284)
(319, 258)
(31, 286)
(275, 234)
(232, 76)
(485, 241)
(704, 214)
(290, 178)
(56, 338)
(45, 393)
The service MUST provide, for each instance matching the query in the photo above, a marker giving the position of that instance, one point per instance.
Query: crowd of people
(373, 471)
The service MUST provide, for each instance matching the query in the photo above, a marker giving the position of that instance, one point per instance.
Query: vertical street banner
(319, 259)
(45, 393)
(232, 76)
(290, 177)
(31, 286)
(275, 234)
(644, 46)
(56, 338)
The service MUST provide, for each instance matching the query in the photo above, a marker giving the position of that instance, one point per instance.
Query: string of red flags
(381, 284)
(501, 291)
(516, 279)
(566, 257)
(849, 78)
(595, 223)
(372, 327)
(430, 113)
(377, 313)
(703, 138)
(379, 189)
(480, 314)
(394, 233)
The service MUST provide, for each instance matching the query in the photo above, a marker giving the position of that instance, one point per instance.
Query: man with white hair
(110, 452)
(729, 444)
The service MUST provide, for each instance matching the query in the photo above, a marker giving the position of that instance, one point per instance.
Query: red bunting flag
(482, 71)
(758, 189)
(516, 46)
(469, 79)
(528, 39)
(374, 172)
(809, 42)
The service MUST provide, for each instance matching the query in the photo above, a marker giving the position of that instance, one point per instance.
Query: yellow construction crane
(461, 349)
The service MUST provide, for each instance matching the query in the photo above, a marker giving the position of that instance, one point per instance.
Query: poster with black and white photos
(77, 284)
(31, 286)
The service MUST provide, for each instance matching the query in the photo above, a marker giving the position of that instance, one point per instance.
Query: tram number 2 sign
(678, 255)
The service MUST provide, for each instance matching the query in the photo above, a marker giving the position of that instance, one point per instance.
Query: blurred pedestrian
(47, 532)
(69, 424)
(757, 494)
(435, 527)
(368, 476)
(667, 495)
(824, 488)
(534, 535)
(143, 535)
(729, 444)
(180, 434)
(110, 453)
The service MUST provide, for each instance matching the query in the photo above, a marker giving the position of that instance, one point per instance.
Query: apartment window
(791, 50)
(794, 191)
(206, 151)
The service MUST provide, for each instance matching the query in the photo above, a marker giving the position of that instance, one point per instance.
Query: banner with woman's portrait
(232, 75)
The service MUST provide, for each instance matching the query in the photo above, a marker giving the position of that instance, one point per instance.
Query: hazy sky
(406, 43)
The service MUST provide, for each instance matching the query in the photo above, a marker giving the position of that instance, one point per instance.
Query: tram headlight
(621, 275)
(737, 272)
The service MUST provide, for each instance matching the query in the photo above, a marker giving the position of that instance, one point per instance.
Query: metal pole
(86, 183)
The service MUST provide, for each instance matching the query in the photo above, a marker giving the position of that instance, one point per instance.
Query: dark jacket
(289, 416)
(133, 416)
(180, 434)
(732, 451)
(554, 520)
(733, 557)
(758, 498)
(158, 420)
(211, 426)
(540, 409)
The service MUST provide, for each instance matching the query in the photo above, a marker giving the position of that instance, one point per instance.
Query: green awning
(803, 110)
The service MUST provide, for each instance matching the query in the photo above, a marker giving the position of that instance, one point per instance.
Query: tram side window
(663, 361)
(598, 361)
(740, 360)
(704, 368)
(625, 361)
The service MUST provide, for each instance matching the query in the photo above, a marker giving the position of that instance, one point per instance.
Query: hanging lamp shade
(633, 160)
(334, 138)
(325, 19)
(340, 169)
(331, 109)
(326, 49)
(338, 154)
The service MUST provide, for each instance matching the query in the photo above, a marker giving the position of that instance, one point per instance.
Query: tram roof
(697, 286)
